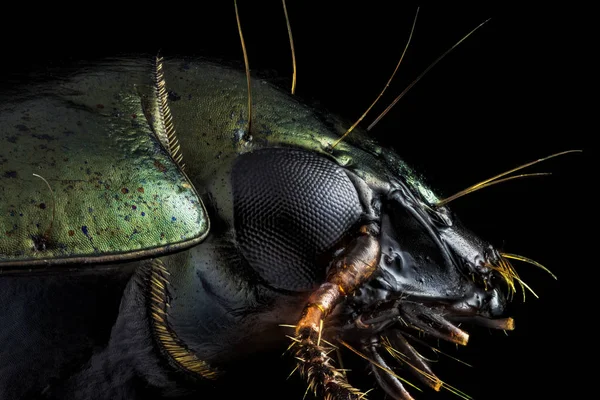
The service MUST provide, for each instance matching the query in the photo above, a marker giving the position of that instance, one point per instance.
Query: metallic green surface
(211, 116)
(116, 192)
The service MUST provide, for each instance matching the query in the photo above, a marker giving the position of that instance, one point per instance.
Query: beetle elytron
(115, 194)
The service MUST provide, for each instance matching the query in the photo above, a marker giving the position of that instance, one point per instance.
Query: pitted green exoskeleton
(115, 193)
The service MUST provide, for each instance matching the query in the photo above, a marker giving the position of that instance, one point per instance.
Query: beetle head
(431, 261)
(433, 275)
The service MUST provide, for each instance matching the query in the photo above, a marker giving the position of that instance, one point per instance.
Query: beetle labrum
(285, 213)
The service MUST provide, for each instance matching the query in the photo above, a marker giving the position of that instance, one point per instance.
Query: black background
(505, 96)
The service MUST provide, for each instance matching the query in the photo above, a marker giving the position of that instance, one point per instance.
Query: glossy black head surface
(431, 269)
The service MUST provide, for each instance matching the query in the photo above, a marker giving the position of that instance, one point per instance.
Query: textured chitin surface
(115, 190)
(290, 206)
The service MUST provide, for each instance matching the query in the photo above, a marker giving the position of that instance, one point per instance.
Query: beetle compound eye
(290, 208)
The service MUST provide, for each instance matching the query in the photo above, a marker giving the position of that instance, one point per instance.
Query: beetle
(49, 208)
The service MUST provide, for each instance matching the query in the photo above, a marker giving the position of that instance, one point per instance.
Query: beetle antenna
(47, 233)
(384, 88)
(247, 66)
(437, 60)
(496, 179)
(289, 29)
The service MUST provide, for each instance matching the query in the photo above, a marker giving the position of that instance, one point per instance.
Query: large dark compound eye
(290, 207)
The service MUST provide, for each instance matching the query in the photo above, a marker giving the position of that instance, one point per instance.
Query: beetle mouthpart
(399, 348)
(432, 322)
(396, 344)
(507, 324)
(389, 382)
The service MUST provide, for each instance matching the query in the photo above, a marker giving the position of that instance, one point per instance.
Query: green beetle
(114, 191)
